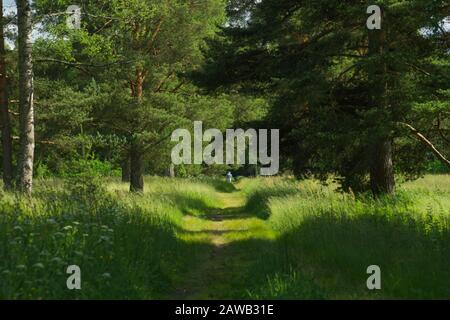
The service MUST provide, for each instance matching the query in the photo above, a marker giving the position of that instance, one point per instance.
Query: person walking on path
(229, 177)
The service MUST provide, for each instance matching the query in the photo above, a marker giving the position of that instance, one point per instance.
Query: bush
(42, 171)
(87, 190)
(91, 166)
(437, 167)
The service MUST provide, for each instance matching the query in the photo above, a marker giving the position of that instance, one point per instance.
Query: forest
(340, 110)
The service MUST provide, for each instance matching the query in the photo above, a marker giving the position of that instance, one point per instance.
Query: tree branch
(80, 64)
(161, 82)
(43, 142)
(155, 34)
(427, 143)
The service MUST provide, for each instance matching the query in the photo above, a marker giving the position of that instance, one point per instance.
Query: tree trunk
(382, 171)
(26, 88)
(172, 171)
(137, 169)
(136, 151)
(4, 113)
(126, 169)
(381, 166)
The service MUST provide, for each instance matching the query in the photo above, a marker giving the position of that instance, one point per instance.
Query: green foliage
(437, 167)
(86, 189)
(119, 44)
(90, 167)
(42, 171)
(314, 62)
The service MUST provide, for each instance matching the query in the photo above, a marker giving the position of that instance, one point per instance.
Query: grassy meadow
(264, 238)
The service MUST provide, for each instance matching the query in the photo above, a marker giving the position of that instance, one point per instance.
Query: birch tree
(26, 107)
(4, 111)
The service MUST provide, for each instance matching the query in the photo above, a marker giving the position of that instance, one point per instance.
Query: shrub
(88, 166)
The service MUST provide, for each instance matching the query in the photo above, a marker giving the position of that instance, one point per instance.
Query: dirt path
(225, 259)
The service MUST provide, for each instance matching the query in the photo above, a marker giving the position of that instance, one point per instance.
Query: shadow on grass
(211, 231)
(325, 256)
(413, 256)
(258, 201)
(220, 185)
(123, 252)
(241, 268)
(197, 207)
(227, 214)
(246, 269)
(187, 204)
(262, 272)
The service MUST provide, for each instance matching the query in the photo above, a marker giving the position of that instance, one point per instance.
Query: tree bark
(126, 169)
(381, 165)
(382, 170)
(137, 169)
(172, 171)
(4, 113)
(26, 91)
(136, 150)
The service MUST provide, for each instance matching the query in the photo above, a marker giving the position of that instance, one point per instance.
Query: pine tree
(343, 94)
(139, 53)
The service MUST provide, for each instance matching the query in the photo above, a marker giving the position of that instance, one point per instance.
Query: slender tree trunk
(136, 150)
(137, 169)
(26, 91)
(26, 88)
(126, 169)
(381, 165)
(172, 171)
(4, 112)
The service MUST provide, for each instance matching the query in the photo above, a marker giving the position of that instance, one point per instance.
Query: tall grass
(125, 245)
(329, 239)
(290, 240)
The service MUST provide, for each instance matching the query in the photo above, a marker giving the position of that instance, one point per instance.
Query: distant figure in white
(229, 177)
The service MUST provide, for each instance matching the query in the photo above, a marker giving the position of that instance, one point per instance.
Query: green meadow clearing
(273, 238)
